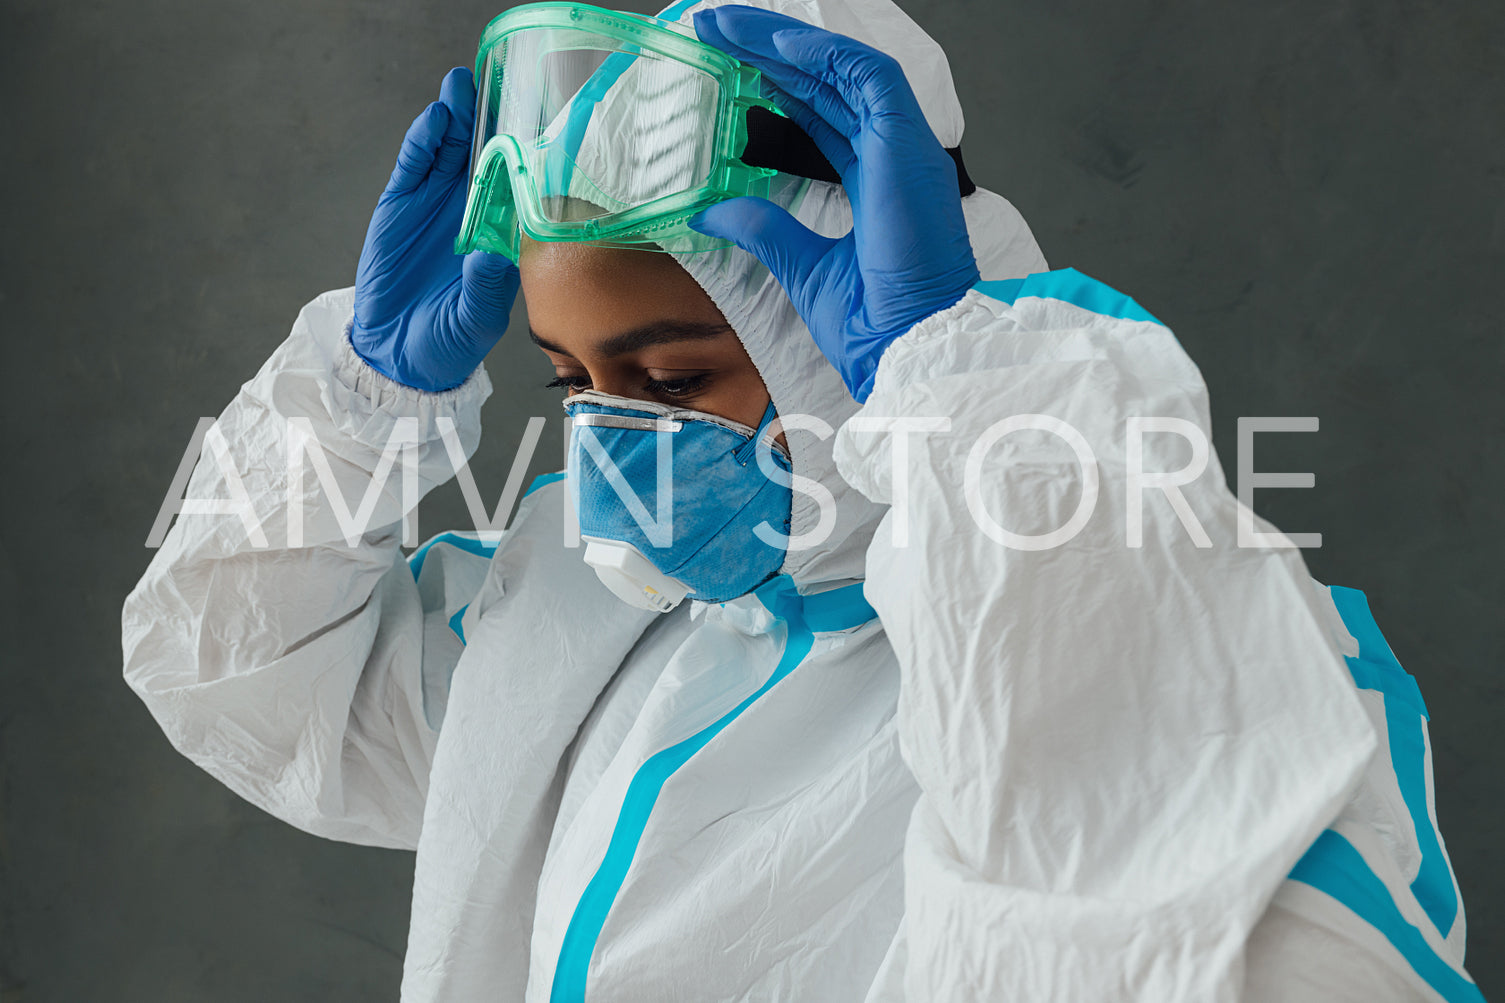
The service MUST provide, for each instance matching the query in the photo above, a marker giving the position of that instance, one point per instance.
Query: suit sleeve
(1124, 739)
(304, 673)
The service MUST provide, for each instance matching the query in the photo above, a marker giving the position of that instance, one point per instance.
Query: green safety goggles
(611, 127)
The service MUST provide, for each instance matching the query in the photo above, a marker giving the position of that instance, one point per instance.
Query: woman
(983, 720)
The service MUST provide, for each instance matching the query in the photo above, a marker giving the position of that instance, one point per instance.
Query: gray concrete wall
(1308, 192)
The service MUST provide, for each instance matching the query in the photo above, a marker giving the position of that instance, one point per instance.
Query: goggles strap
(777, 142)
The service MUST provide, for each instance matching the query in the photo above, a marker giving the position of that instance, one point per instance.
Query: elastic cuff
(365, 379)
(366, 402)
(903, 361)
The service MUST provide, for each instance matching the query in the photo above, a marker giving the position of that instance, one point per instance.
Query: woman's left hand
(908, 255)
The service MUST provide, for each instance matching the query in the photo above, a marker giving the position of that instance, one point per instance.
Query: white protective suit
(1082, 773)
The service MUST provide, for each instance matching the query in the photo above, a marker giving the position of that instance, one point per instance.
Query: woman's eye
(574, 384)
(685, 386)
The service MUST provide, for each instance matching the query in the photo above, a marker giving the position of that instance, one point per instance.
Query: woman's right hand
(425, 316)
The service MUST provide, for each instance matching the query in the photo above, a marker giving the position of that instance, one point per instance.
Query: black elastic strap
(775, 141)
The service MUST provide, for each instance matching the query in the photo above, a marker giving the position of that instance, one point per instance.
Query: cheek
(740, 396)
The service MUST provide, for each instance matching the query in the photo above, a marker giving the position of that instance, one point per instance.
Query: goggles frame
(503, 202)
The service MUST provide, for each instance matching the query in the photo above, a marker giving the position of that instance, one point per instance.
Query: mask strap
(748, 449)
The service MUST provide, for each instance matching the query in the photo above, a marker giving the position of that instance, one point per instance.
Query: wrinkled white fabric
(1074, 774)
(1119, 771)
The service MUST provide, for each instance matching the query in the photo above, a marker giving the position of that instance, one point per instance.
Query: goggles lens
(600, 128)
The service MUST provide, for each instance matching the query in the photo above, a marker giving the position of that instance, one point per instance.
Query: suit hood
(832, 523)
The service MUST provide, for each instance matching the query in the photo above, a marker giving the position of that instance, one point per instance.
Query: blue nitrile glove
(424, 316)
(908, 255)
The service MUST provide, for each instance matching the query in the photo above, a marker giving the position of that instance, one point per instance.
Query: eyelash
(685, 386)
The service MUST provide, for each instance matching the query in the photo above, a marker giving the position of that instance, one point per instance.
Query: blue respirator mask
(674, 502)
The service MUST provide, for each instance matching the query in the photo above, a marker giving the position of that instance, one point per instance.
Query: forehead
(582, 291)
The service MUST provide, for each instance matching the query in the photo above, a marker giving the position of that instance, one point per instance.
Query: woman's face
(635, 324)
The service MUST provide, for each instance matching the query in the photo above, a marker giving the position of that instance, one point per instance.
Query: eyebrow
(656, 333)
